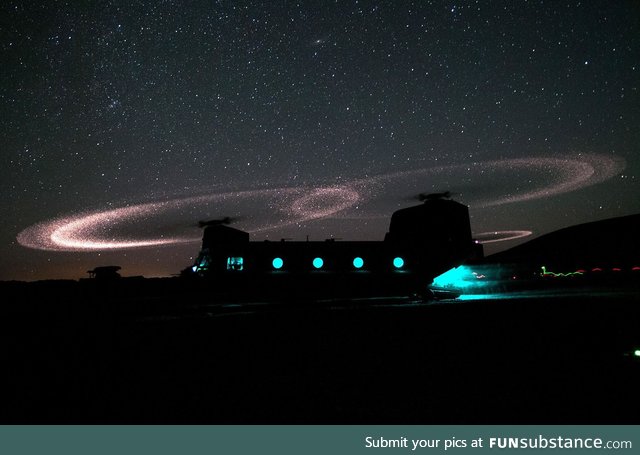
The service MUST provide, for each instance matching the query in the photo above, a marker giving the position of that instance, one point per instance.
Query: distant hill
(609, 242)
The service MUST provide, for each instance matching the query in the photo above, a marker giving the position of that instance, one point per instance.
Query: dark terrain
(166, 351)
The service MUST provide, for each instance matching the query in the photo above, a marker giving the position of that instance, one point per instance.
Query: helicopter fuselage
(423, 242)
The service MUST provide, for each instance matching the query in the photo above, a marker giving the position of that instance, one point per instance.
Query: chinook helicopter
(422, 242)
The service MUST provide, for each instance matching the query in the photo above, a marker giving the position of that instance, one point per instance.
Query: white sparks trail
(500, 236)
(510, 176)
(85, 231)
(361, 198)
(324, 202)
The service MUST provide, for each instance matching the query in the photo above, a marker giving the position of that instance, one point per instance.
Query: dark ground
(81, 353)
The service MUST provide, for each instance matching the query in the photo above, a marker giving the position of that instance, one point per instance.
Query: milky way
(273, 208)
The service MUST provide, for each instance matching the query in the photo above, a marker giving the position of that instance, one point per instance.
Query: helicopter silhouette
(424, 197)
(218, 221)
(422, 242)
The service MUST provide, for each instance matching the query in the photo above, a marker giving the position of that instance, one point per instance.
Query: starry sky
(124, 123)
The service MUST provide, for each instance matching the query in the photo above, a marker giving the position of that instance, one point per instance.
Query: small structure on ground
(107, 272)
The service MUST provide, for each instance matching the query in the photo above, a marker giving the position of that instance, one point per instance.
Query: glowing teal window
(398, 262)
(318, 263)
(202, 264)
(358, 262)
(277, 263)
(235, 263)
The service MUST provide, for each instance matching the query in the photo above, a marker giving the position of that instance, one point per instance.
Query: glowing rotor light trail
(323, 202)
(500, 236)
(91, 231)
(547, 177)
(636, 353)
(77, 233)
(280, 207)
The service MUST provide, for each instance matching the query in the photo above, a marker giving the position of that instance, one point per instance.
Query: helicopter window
(202, 264)
(235, 263)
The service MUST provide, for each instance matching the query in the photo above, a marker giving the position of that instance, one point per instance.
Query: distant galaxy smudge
(274, 208)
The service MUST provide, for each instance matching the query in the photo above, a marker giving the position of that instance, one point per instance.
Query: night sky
(124, 123)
